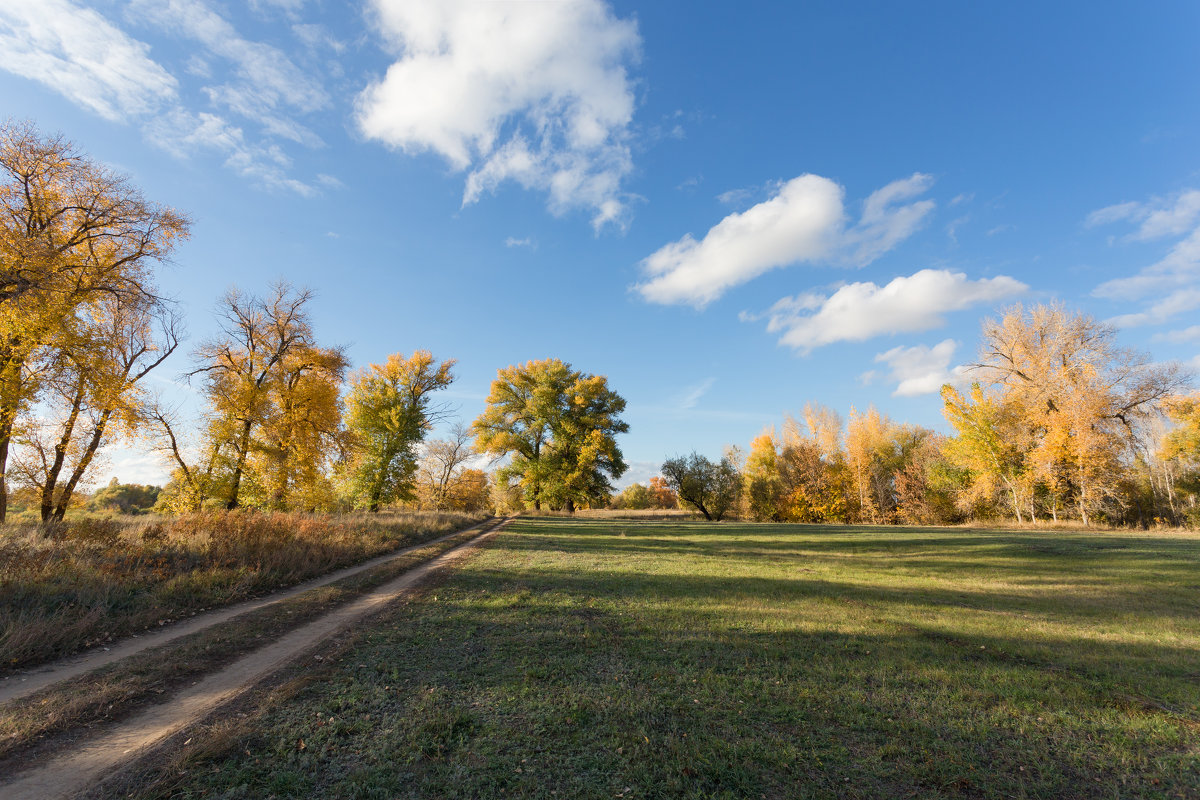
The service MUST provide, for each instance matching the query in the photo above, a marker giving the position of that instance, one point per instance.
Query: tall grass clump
(84, 582)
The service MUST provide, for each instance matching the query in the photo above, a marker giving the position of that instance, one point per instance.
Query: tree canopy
(558, 426)
(77, 246)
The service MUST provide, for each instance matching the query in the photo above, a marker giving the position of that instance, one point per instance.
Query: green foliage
(126, 498)
(559, 427)
(634, 497)
(388, 413)
(712, 489)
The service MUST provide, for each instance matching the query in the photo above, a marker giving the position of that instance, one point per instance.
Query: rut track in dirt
(25, 682)
(80, 767)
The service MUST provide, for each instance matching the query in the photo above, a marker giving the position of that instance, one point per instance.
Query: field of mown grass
(88, 581)
(601, 659)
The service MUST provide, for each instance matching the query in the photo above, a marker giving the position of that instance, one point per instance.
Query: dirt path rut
(70, 772)
(25, 683)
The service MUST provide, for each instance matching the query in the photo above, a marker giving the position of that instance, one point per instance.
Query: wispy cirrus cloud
(263, 85)
(1171, 285)
(535, 93)
(804, 221)
(78, 53)
(859, 311)
(692, 396)
(251, 108)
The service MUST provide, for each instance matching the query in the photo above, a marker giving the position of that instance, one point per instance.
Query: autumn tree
(388, 412)
(762, 482)
(94, 384)
(441, 464)
(73, 234)
(469, 490)
(1181, 448)
(558, 426)
(247, 369)
(302, 431)
(1081, 395)
(661, 494)
(634, 497)
(812, 467)
(713, 489)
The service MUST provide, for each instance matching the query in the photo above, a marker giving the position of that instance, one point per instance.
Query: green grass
(596, 659)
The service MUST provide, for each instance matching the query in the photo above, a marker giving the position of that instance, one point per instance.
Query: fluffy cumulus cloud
(921, 369)
(805, 220)
(536, 93)
(861, 311)
(81, 55)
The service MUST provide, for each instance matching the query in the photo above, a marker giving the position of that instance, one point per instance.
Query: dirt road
(80, 767)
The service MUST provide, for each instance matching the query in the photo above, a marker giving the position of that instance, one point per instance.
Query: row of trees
(278, 431)
(1061, 423)
(82, 325)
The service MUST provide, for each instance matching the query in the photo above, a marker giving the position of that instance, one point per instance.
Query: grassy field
(600, 659)
(86, 582)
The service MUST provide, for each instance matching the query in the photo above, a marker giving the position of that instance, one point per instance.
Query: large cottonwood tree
(388, 412)
(72, 234)
(558, 426)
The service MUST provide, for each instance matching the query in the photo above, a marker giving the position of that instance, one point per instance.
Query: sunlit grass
(646, 659)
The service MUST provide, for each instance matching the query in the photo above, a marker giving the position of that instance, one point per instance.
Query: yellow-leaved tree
(388, 412)
(73, 235)
(558, 425)
(1078, 399)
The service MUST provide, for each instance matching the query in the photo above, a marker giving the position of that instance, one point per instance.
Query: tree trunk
(1016, 503)
(3, 474)
(80, 468)
(60, 456)
(570, 506)
(243, 449)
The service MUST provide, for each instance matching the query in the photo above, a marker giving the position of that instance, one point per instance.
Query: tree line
(1059, 423)
(285, 423)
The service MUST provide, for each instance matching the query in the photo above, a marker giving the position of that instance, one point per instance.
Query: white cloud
(692, 396)
(860, 311)
(1173, 216)
(1173, 304)
(537, 93)
(265, 83)
(81, 55)
(513, 241)
(183, 133)
(130, 465)
(1111, 214)
(1190, 334)
(886, 220)
(804, 221)
(1180, 267)
(921, 369)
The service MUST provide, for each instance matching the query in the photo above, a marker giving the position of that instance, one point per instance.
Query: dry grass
(89, 581)
(38, 723)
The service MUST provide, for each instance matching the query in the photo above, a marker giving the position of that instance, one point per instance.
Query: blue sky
(728, 209)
